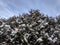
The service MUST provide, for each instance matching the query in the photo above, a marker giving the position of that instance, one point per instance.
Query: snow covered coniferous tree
(33, 28)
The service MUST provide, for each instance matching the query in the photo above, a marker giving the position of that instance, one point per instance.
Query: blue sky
(9, 8)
